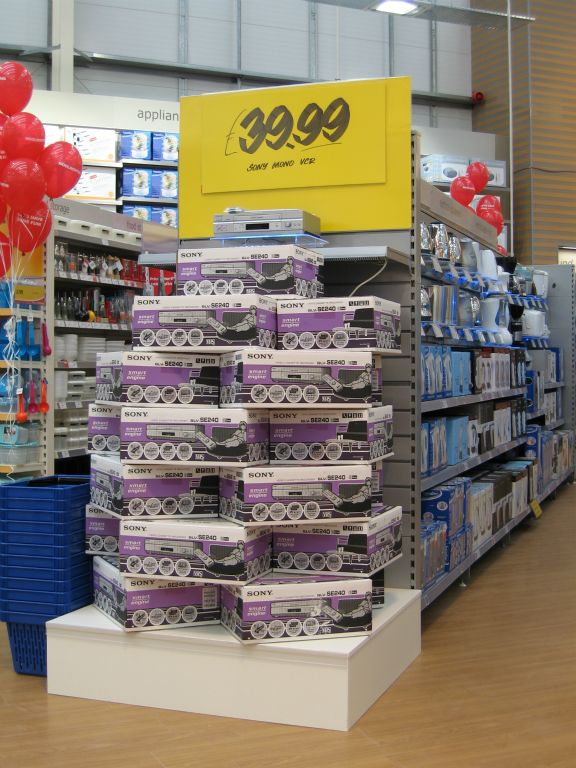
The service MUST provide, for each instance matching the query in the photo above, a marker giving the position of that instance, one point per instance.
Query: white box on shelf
(158, 492)
(102, 531)
(184, 435)
(442, 168)
(277, 495)
(95, 184)
(136, 604)
(283, 607)
(214, 551)
(104, 428)
(94, 144)
(300, 379)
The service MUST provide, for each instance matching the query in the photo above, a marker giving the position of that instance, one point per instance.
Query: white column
(62, 76)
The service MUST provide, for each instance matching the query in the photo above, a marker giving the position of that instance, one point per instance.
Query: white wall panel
(24, 22)
(110, 82)
(275, 37)
(212, 42)
(143, 29)
(454, 59)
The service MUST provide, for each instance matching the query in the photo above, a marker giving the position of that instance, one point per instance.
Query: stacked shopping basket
(44, 571)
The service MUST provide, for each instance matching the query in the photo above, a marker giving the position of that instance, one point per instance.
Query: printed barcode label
(210, 597)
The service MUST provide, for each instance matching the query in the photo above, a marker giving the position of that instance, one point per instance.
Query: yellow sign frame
(366, 186)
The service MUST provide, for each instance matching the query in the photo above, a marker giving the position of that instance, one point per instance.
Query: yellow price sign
(295, 137)
(341, 151)
(536, 509)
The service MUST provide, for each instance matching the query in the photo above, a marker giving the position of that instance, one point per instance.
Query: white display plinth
(205, 670)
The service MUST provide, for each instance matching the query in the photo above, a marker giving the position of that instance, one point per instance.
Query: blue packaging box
(456, 549)
(142, 212)
(440, 504)
(456, 373)
(447, 373)
(137, 182)
(165, 146)
(136, 145)
(425, 449)
(165, 214)
(437, 454)
(457, 439)
(164, 184)
(438, 370)
(430, 372)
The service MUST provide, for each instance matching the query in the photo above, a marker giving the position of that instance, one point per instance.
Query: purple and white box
(343, 436)
(154, 379)
(138, 604)
(210, 436)
(102, 531)
(104, 428)
(282, 608)
(153, 491)
(214, 551)
(168, 323)
(347, 548)
(277, 495)
(357, 322)
(266, 269)
(260, 378)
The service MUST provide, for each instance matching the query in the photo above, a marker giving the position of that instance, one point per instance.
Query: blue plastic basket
(68, 528)
(12, 511)
(26, 608)
(55, 492)
(45, 565)
(62, 551)
(28, 569)
(44, 591)
(28, 647)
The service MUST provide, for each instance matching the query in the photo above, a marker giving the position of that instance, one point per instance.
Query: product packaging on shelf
(169, 323)
(165, 146)
(433, 549)
(104, 428)
(267, 269)
(345, 435)
(102, 531)
(137, 182)
(137, 604)
(456, 439)
(298, 379)
(273, 495)
(210, 550)
(164, 183)
(158, 379)
(425, 449)
(153, 491)
(357, 322)
(94, 144)
(437, 448)
(142, 212)
(280, 608)
(165, 214)
(341, 548)
(189, 435)
(136, 145)
(442, 168)
(95, 184)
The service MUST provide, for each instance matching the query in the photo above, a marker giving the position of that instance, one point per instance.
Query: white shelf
(73, 365)
(20, 469)
(18, 311)
(464, 466)
(454, 402)
(150, 200)
(93, 201)
(153, 163)
(120, 327)
(442, 583)
(217, 675)
(78, 277)
(87, 239)
(554, 424)
(69, 405)
(554, 385)
(72, 453)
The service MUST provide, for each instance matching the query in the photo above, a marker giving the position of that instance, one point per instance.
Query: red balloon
(24, 136)
(479, 175)
(488, 203)
(5, 254)
(502, 250)
(62, 166)
(2, 209)
(462, 190)
(3, 156)
(494, 218)
(16, 87)
(23, 185)
(29, 230)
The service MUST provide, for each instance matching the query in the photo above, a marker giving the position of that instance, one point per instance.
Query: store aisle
(495, 686)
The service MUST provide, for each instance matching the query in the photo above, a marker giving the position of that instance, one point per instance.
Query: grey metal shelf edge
(72, 453)
(150, 200)
(455, 402)
(554, 385)
(464, 466)
(151, 163)
(79, 237)
(441, 584)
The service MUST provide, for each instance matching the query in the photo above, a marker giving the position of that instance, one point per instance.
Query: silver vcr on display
(283, 221)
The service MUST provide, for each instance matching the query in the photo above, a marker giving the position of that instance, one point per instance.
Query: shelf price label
(331, 134)
(536, 508)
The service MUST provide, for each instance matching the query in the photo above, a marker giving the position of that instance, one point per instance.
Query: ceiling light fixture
(400, 7)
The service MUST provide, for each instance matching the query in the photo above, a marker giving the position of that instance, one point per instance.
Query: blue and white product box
(438, 168)
(437, 445)
(429, 371)
(457, 439)
(463, 486)
(142, 212)
(473, 437)
(137, 182)
(447, 373)
(444, 503)
(425, 449)
(136, 145)
(457, 381)
(439, 370)
(165, 146)
(165, 214)
(455, 550)
(164, 183)
(423, 383)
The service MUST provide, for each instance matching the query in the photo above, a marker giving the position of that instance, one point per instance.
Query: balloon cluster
(464, 188)
(29, 170)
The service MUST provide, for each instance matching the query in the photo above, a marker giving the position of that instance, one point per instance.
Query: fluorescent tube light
(400, 7)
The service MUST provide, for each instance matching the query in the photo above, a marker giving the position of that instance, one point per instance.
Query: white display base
(205, 670)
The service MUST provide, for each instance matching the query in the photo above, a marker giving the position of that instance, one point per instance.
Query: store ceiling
(431, 11)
